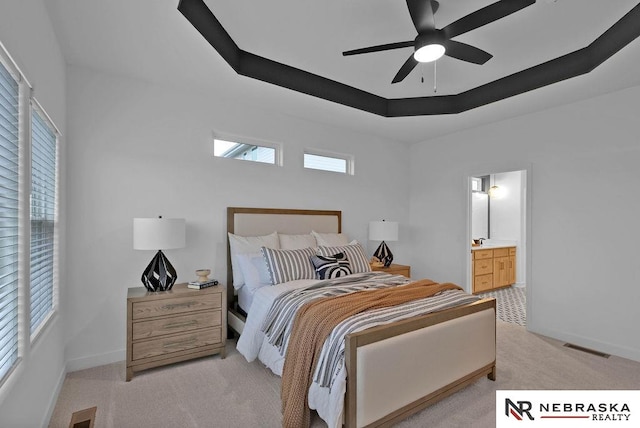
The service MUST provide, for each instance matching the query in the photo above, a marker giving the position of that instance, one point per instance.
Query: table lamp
(383, 231)
(159, 234)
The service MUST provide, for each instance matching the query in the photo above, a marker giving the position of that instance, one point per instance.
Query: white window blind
(9, 158)
(43, 205)
(328, 162)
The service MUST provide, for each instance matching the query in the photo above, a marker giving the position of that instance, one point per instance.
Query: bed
(390, 371)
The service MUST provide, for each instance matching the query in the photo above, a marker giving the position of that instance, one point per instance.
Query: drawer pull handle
(181, 324)
(180, 343)
(172, 306)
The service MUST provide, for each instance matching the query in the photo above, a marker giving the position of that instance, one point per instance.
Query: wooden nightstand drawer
(166, 327)
(177, 324)
(482, 267)
(181, 342)
(176, 305)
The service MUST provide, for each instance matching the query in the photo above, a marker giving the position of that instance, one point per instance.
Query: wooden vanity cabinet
(493, 268)
(512, 265)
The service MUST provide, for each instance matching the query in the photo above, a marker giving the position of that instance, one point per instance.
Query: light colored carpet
(211, 392)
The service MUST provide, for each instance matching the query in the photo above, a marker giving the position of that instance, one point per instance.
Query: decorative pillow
(330, 239)
(296, 242)
(355, 255)
(289, 265)
(331, 267)
(248, 244)
(254, 270)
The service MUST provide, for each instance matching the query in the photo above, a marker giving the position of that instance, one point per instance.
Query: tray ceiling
(152, 40)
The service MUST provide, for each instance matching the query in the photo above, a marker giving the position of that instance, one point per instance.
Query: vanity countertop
(491, 247)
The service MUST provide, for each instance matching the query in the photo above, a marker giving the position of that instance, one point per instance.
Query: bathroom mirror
(479, 208)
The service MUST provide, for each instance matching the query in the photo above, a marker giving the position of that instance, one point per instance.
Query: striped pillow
(331, 267)
(355, 255)
(289, 265)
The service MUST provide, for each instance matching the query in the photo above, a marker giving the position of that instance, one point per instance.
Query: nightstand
(166, 327)
(394, 269)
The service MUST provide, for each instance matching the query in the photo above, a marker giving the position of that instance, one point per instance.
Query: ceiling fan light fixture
(429, 53)
(429, 46)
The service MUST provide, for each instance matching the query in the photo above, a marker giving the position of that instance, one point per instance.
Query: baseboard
(608, 348)
(75, 365)
(54, 398)
(95, 360)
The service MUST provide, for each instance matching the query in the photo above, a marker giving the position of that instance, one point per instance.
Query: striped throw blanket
(316, 320)
(279, 321)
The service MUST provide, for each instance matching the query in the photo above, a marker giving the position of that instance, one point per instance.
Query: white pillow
(254, 270)
(296, 242)
(248, 244)
(330, 239)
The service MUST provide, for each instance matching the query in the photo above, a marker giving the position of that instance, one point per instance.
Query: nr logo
(518, 410)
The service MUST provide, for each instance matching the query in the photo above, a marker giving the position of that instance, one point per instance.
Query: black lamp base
(160, 274)
(383, 253)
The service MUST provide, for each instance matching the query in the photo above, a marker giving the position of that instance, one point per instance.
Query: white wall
(507, 215)
(506, 210)
(137, 149)
(28, 397)
(584, 161)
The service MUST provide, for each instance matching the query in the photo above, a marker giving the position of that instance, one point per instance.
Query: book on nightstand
(198, 285)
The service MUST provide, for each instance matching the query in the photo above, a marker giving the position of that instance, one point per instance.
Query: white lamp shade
(383, 230)
(158, 233)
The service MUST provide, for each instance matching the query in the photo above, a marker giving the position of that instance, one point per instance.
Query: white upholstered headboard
(263, 221)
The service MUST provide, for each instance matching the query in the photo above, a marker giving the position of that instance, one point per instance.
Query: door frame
(527, 188)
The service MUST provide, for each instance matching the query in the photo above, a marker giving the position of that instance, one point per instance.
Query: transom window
(326, 161)
(245, 151)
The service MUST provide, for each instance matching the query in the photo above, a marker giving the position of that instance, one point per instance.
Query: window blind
(9, 158)
(325, 163)
(43, 205)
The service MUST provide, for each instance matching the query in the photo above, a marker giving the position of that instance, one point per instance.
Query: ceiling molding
(573, 64)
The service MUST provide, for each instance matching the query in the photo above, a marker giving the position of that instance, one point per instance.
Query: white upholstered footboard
(394, 372)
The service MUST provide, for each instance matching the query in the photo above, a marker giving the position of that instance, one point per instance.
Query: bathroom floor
(511, 304)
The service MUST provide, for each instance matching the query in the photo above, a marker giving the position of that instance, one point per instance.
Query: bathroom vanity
(493, 267)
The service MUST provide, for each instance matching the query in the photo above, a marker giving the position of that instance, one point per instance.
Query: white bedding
(327, 400)
(252, 344)
(245, 297)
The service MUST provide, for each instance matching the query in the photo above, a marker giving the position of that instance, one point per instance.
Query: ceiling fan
(431, 43)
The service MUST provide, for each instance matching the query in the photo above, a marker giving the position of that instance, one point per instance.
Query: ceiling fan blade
(406, 68)
(465, 52)
(484, 16)
(421, 12)
(379, 48)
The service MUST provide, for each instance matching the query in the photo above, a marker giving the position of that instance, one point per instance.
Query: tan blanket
(313, 324)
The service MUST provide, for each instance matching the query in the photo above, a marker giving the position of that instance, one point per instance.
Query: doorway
(498, 218)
